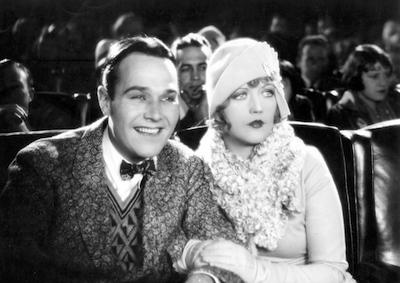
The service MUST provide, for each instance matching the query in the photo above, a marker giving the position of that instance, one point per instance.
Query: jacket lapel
(93, 205)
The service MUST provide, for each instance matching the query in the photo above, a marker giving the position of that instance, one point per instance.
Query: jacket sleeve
(204, 219)
(324, 232)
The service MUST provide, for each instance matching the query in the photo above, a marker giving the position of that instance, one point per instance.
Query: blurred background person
(391, 44)
(370, 97)
(127, 25)
(316, 64)
(16, 93)
(214, 36)
(192, 53)
(301, 108)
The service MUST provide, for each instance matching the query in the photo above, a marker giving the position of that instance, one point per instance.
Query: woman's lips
(256, 124)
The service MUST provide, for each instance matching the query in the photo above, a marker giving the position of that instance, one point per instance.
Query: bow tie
(127, 170)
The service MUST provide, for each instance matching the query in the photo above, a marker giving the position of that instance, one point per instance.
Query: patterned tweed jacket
(54, 212)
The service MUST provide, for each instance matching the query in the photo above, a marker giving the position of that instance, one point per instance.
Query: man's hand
(13, 117)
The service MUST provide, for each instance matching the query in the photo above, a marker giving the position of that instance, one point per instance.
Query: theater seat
(376, 163)
(11, 143)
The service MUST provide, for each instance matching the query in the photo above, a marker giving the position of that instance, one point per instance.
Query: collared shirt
(112, 160)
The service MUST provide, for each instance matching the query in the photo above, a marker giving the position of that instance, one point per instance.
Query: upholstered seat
(376, 160)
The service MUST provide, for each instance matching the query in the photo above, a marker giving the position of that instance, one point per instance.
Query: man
(315, 63)
(114, 201)
(16, 93)
(192, 53)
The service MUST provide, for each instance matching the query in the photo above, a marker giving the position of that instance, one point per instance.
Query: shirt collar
(112, 157)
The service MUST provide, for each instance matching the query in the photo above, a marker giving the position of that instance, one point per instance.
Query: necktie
(127, 170)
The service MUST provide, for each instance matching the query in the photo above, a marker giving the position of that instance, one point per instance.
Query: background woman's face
(250, 112)
(376, 82)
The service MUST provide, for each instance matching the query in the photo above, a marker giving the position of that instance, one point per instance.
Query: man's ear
(104, 100)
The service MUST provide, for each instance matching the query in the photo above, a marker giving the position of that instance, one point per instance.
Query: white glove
(232, 257)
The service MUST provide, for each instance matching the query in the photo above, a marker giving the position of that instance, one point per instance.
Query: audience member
(16, 93)
(114, 201)
(280, 37)
(370, 98)
(24, 33)
(192, 53)
(214, 36)
(278, 192)
(391, 43)
(127, 25)
(314, 59)
(300, 106)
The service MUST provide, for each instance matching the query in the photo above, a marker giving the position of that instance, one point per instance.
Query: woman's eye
(268, 92)
(239, 95)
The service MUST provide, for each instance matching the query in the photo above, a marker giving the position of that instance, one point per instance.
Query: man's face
(17, 88)
(144, 111)
(192, 65)
(313, 62)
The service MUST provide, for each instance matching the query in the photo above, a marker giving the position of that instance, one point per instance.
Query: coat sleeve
(204, 219)
(324, 233)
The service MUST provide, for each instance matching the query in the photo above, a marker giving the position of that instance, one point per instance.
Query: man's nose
(153, 111)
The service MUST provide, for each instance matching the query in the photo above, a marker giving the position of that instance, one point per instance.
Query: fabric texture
(55, 212)
(237, 62)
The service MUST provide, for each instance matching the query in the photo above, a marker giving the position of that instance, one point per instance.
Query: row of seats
(365, 165)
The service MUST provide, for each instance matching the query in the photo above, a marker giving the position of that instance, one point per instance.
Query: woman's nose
(255, 103)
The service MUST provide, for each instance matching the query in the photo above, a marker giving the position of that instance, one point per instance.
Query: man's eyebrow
(138, 88)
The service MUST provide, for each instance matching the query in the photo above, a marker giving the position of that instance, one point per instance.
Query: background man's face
(145, 110)
(313, 62)
(192, 65)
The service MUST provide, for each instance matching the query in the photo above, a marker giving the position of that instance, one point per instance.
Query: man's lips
(148, 131)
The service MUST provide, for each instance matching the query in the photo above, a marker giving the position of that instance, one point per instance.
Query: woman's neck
(370, 103)
(242, 150)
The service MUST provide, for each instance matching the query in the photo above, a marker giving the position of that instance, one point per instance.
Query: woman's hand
(229, 256)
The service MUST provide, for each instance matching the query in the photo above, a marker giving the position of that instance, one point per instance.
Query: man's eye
(170, 98)
(184, 69)
(137, 97)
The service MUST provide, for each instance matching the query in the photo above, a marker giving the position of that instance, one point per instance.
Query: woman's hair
(219, 121)
(361, 60)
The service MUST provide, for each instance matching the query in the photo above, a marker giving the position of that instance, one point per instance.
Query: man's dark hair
(363, 59)
(190, 40)
(316, 40)
(121, 49)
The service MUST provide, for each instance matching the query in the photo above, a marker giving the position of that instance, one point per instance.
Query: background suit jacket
(54, 212)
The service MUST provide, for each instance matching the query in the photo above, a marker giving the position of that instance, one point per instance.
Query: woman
(370, 98)
(277, 191)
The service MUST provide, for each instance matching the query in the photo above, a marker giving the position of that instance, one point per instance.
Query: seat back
(385, 209)
(11, 143)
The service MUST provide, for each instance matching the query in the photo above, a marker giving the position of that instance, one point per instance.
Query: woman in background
(370, 97)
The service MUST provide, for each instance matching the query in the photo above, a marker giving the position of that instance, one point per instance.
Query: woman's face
(250, 113)
(376, 82)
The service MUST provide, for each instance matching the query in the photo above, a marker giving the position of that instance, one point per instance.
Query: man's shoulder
(62, 143)
(179, 154)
